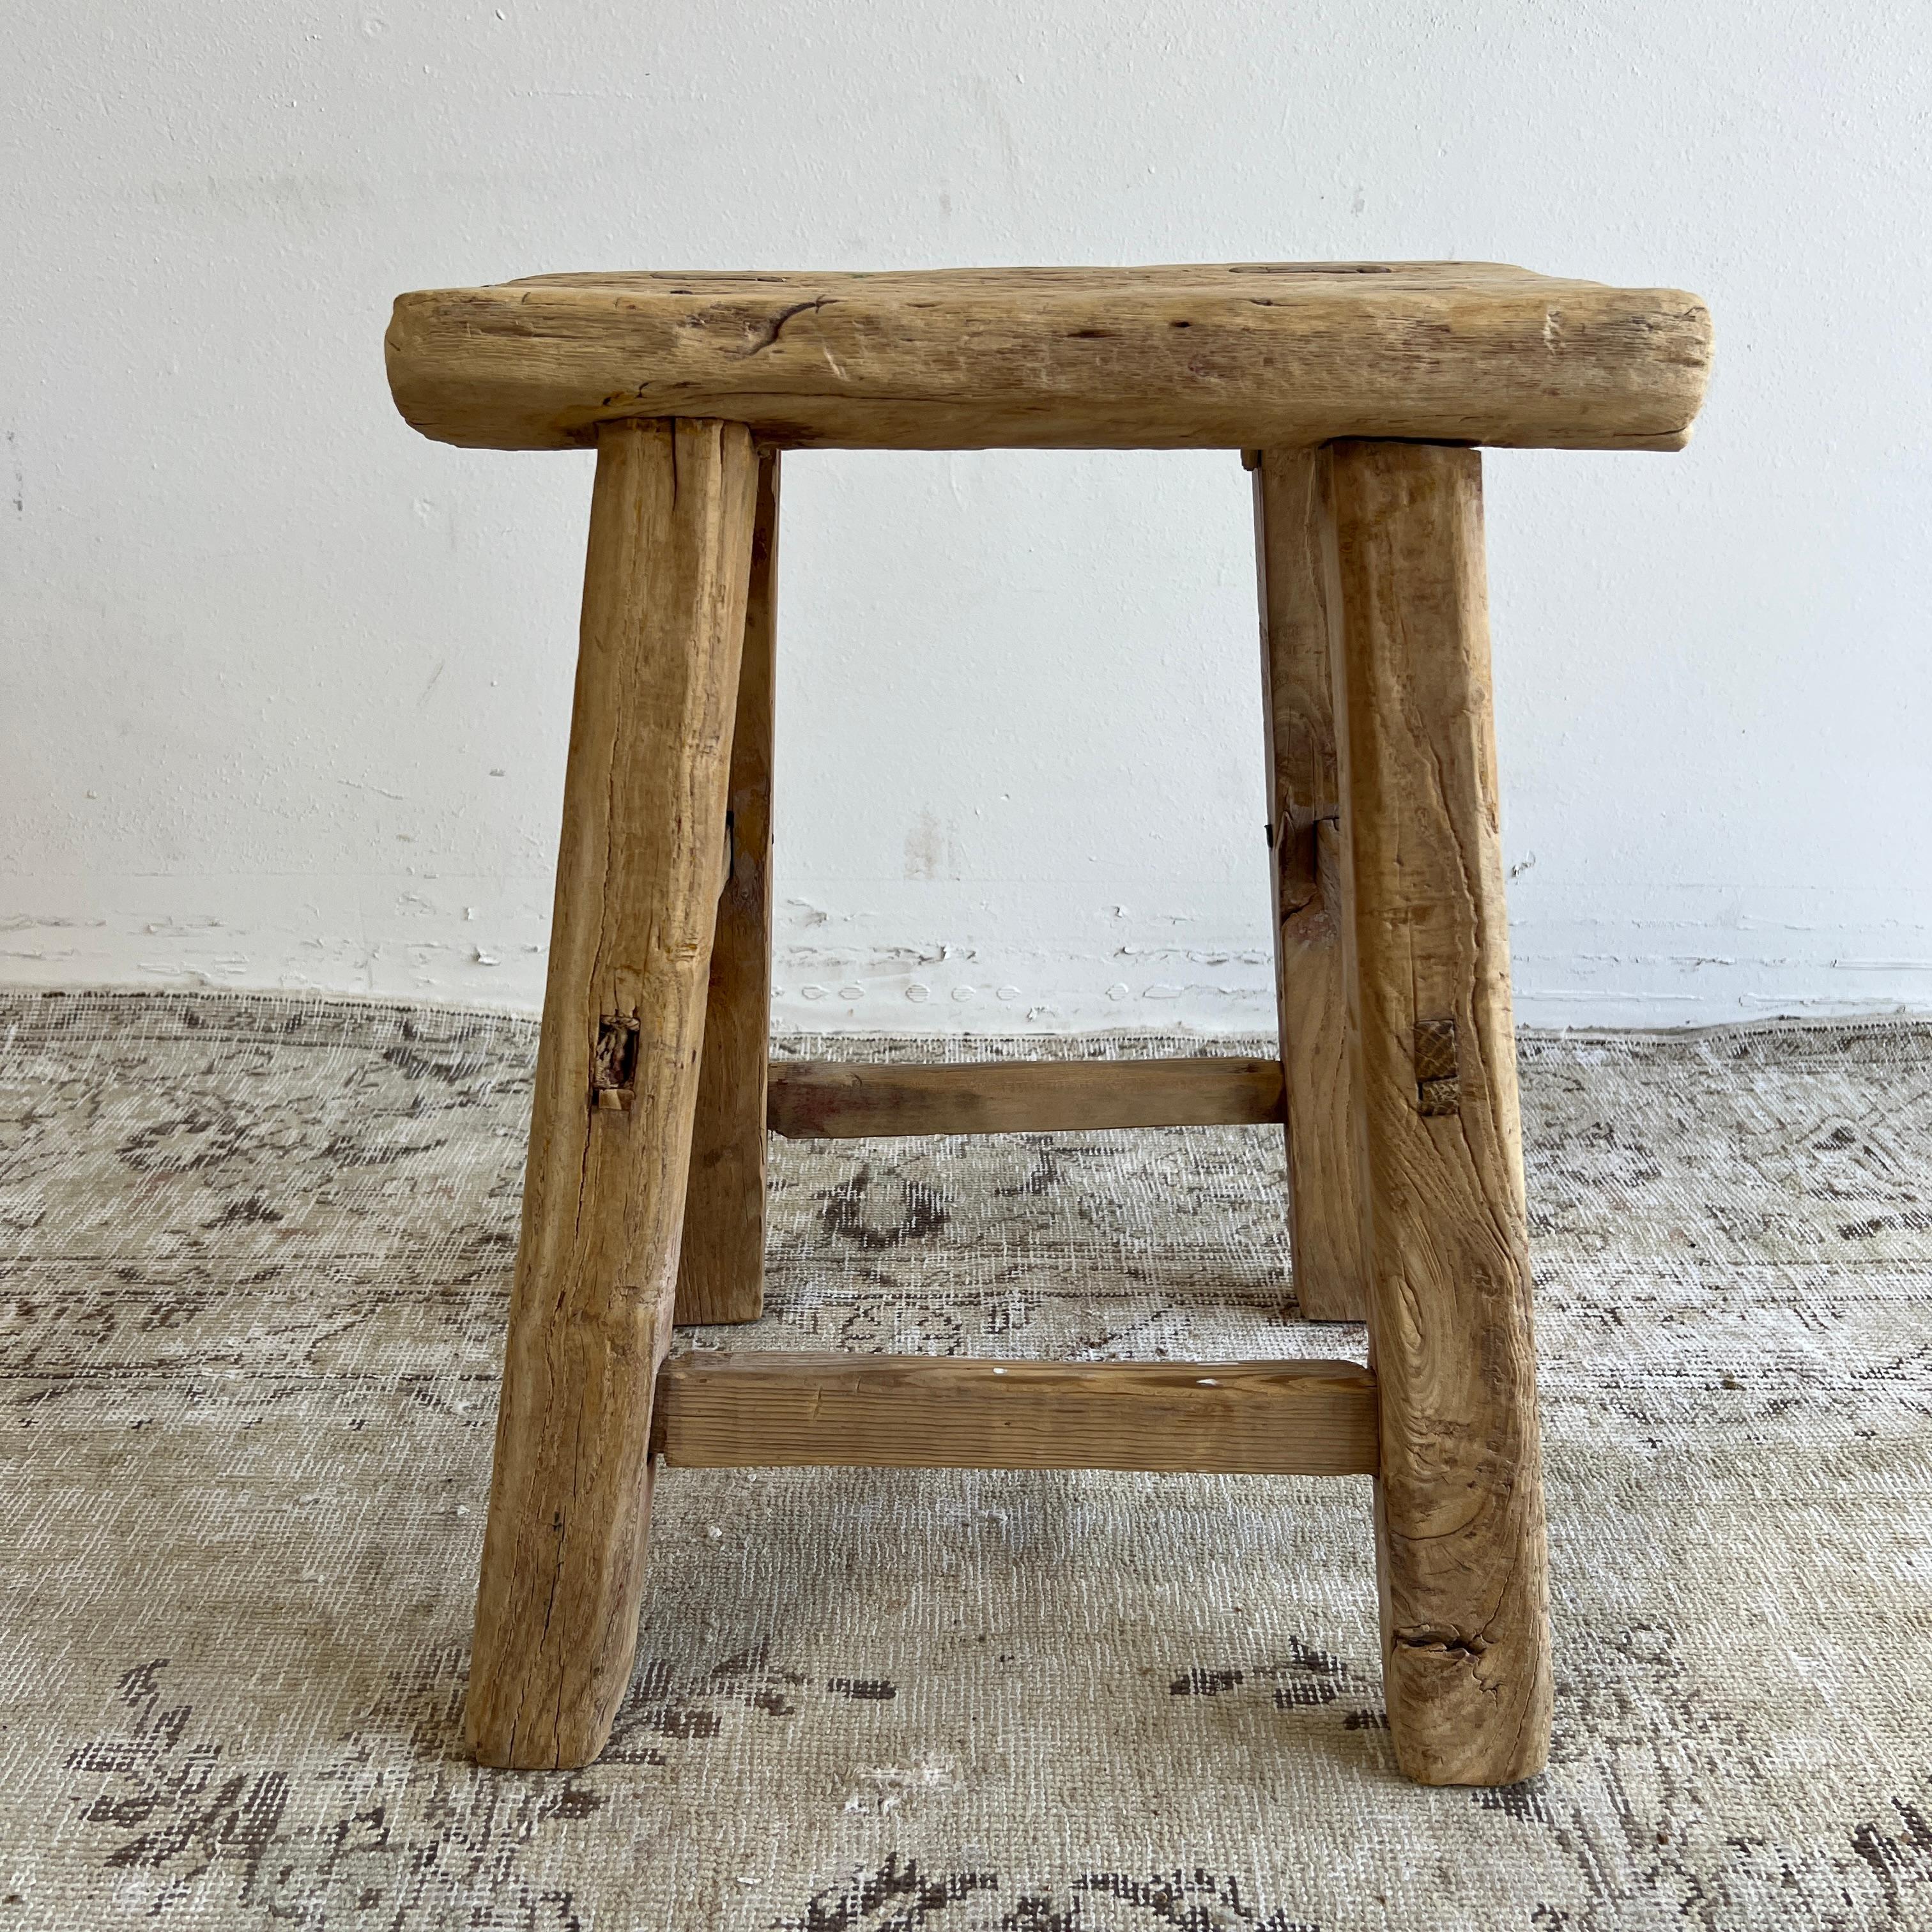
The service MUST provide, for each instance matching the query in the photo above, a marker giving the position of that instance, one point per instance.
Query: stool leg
(1292, 549)
(1459, 1527)
(637, 888)
(721, 1274)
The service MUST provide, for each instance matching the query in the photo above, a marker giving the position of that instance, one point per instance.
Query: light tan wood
(836, 1100)
(722, 1266)
(1384, 804)
(938, 1412)
(616, 1080)
(1218, 355)
(1295, 546)
(1460, 1520)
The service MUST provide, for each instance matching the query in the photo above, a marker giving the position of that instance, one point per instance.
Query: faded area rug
(256, 1252)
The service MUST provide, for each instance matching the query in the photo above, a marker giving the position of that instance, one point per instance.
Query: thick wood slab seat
(1241, 355)
(826, 1099)
(1310, 1418)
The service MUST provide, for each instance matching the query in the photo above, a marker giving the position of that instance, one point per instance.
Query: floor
(255, 1252)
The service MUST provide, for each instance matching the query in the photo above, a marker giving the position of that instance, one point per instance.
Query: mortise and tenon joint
(1436, 1089)
(613, 1064)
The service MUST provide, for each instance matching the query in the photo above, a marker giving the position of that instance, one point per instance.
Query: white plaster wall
(286, 687)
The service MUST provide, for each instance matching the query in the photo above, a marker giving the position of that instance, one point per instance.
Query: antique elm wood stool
(1357, 392)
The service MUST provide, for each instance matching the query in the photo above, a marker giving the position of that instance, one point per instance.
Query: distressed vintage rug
(255, 1253)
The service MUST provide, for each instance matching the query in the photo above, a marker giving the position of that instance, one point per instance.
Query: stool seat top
(1231, 355)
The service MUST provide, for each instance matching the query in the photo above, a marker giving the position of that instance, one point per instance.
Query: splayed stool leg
(616, 1085)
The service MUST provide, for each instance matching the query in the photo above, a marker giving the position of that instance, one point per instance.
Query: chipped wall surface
(287, 688)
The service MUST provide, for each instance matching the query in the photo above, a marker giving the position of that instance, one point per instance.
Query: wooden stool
(1357, 392)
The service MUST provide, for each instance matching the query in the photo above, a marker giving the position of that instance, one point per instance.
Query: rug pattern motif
(254, 1255)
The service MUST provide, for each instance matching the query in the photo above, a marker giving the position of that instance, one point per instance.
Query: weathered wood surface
(929, 1411)
(1295, 549)
(1459, 1501)
(829, 1099)
(722, 1264)
(1218, 355)
(616, 1081)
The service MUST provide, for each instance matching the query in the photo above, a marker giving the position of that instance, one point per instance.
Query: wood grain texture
(1218, 355)
(1460, 1500)
(828, 1099)
(721, 1265)
(938, 1412)
(638, 870)
(1294, 549)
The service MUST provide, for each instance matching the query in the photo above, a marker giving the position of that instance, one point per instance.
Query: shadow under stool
(1358, 393)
